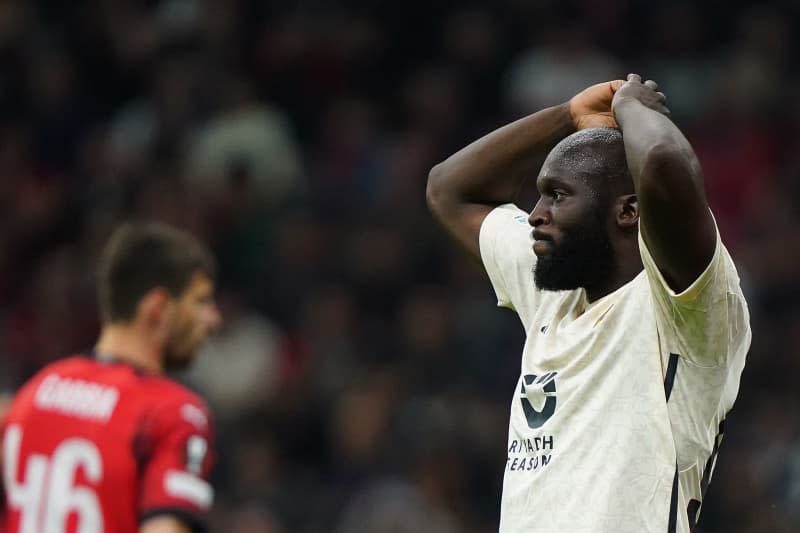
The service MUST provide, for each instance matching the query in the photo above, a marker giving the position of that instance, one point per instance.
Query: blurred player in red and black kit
(104, 442)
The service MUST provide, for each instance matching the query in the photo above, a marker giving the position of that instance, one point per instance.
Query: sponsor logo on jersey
(194, 415)
(196, 450)
(188, 487)
(76, 397)
(538, 397)
(525, 455)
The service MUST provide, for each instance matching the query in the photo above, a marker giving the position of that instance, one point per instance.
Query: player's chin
(177, 360)
(175, 364)
(542, 248)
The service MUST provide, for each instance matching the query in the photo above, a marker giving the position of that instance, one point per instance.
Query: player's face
(570, 233)
(195, 317)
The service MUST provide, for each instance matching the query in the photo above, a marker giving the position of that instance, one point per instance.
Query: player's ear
(154, 306)
(627, 211)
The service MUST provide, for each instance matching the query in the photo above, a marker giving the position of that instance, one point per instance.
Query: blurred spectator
(564, 64)
(393, 507)
(249, 144)
(675, 33)
(239, 369)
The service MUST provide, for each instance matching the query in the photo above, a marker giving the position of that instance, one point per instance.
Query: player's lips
(542, 242)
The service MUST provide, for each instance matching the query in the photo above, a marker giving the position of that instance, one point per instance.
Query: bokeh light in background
(363, 378)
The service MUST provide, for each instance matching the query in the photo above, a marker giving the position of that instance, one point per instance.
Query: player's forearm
(674, 217)
(660, 159)
(491, 170)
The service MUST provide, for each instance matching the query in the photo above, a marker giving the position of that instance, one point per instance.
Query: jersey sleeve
(177, 457)
(507, 256)
(708, 322)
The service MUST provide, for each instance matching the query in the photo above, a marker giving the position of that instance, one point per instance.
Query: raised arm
(490, 171)
(675, 221)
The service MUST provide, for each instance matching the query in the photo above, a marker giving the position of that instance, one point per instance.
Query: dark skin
(564, 203)
(675, 220)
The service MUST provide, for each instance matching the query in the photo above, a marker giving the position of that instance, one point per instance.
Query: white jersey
(619, 409)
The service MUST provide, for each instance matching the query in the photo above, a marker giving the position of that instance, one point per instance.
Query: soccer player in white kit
(636, 325)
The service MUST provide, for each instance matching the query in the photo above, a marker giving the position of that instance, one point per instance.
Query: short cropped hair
(141, 257)
(600, 154)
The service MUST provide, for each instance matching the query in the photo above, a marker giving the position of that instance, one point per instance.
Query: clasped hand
(594, 106)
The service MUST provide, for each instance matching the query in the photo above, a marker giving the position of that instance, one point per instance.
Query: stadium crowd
(361, 380)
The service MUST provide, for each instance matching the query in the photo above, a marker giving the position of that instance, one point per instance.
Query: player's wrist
(622, 103)
(570, 114)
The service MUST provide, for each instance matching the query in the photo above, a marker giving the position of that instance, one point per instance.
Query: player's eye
(558, 195)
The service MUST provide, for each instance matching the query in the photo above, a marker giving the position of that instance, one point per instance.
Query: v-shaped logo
(538, 397)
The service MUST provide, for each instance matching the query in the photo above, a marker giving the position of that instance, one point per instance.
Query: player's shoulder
(171, 402)
(25, 396)
(166, 390)
(89, 368)
(501, 220)
(72, 365)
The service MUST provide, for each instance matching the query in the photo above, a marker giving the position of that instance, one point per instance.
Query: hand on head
(646, 93)
(591, 108)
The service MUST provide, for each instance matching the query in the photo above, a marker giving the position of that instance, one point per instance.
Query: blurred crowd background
(363, 378)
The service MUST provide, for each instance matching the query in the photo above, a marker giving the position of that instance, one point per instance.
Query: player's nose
(538, 215)
(213, 318)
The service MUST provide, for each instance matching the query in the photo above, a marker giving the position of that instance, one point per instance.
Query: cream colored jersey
(619, 408)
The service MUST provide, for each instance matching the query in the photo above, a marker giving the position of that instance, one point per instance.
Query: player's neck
(123, 342)
(628, 267)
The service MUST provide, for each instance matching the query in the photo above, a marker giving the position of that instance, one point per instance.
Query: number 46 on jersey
(48, 493)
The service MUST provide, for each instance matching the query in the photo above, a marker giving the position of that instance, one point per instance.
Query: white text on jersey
(76, 397)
